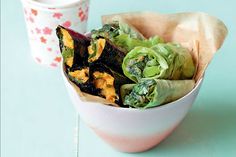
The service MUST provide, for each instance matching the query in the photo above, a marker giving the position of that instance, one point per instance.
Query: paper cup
(42, 19)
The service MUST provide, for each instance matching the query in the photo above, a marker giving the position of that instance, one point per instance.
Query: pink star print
(38, 31)
(31, 19)
(53, 65)
(57, 15)
(43, 40)
(49, 49)
(25, 11)
(58, 59)
(38, 59)
(83, 14)
(47, 30)
(66, 24)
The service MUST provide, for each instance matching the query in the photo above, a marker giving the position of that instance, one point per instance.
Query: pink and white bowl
(128, 129)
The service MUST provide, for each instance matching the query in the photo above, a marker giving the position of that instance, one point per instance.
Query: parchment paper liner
(202, 34)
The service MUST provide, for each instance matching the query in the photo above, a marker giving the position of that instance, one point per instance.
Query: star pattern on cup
(49, 49)
(31, 19)
(43, 40)
(34, 12)
(66, 24)
(38, 31)
(57, 59)
(47, 31)
(57, 15)
(53, 65)
(43, 33)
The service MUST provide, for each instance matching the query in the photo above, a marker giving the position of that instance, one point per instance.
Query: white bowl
(132, 130)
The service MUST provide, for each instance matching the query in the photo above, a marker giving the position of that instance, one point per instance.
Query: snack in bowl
(154, 92)
(133, 80)
(161, 61)
(129, 58)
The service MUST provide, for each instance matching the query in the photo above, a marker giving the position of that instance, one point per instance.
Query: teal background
(38, 119)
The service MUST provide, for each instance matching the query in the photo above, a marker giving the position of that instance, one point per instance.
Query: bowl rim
(161, 107)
